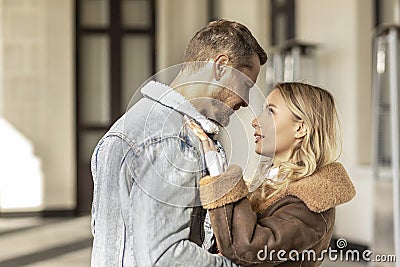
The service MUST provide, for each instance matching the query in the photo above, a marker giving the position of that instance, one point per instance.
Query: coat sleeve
(266, 239)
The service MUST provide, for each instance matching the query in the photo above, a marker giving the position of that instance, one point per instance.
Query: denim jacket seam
(158, 139)
(125, 138)
(139, 147)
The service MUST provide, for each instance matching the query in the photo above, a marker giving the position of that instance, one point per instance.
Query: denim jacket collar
(168, 97)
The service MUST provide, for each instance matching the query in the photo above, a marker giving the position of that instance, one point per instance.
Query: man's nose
(246, 99)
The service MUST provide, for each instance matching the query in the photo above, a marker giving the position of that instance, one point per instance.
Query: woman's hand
(207, 143)
(213, 160)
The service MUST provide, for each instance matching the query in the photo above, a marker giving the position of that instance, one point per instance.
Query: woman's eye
(270, 111)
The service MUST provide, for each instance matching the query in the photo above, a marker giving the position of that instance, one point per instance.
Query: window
(115, 54)
(282, 15)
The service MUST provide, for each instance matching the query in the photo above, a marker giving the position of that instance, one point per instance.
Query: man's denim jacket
(146, 171)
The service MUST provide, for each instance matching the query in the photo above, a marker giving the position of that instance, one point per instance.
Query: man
(146, 169)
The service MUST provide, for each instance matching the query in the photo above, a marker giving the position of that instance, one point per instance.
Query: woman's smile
(258, 137)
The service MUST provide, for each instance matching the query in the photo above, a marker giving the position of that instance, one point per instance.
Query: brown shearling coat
(251, 229)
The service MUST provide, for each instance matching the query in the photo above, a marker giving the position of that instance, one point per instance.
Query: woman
(288, 220)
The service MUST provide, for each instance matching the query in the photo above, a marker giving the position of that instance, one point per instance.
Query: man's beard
(220, 113)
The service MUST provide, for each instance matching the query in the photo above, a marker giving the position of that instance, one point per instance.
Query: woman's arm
(248, 239)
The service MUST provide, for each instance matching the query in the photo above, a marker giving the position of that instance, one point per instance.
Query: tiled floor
(64, 243)
(79, 258)
(45, 242)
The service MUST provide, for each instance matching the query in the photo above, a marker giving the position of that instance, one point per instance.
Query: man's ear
(301, 130)
(220, 63)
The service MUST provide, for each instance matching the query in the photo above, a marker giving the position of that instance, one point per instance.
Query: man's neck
(193, 89)
(193, 94)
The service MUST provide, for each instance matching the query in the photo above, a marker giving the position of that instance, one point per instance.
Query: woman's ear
(221, 61)
(301, 130)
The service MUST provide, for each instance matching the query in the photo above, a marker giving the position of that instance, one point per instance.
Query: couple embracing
(164, 194)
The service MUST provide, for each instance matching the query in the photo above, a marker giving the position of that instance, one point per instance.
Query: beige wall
(37, 82)
(177, 22)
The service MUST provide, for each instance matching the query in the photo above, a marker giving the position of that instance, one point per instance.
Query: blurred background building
(69, 69)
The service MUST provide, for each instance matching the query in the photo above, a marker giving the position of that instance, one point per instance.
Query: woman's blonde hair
(321, 144)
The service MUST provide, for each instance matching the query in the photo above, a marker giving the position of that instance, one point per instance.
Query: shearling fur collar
(326, 188)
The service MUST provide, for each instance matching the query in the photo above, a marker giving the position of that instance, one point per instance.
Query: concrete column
(37, 96)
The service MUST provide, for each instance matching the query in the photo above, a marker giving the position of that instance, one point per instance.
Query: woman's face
(275, 128)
